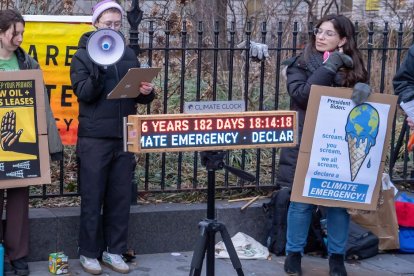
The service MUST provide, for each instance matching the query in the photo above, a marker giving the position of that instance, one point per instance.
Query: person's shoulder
(33, 63)
(296, 63)
(129, 52)
(290, 65)
(20, 53)
(83, 40)
(291, 61)
(129, 58)
(26, 59)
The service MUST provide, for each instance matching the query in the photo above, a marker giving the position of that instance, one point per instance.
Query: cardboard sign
(24, 154)
(128, 87)
(201, 132)
(343, 149)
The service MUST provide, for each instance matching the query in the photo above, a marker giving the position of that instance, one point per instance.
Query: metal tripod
(213, 160)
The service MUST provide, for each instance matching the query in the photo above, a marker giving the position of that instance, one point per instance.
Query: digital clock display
(195, 132)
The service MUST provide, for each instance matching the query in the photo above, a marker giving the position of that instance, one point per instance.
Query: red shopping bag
(404, 207)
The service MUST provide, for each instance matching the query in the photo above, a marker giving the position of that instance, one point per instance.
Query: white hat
(102, 6)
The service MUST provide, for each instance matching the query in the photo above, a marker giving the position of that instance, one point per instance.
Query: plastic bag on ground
(246, 248)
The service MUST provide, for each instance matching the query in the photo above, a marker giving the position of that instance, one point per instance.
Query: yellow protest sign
(52, 41)
(24, 158)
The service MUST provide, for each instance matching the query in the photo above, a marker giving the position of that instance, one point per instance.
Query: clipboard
(128, 87)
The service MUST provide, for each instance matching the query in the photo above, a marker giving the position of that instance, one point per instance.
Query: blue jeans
(298, 222)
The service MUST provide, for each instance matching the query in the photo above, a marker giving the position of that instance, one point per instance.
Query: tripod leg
(199, 251)
(230, 249)
(210, 253)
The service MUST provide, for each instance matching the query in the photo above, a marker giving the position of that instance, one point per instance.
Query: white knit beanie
(103, 6)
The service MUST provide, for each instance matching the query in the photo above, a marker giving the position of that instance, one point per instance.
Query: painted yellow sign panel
(53, 45)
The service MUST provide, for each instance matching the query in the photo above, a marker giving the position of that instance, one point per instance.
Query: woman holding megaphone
(105, 170)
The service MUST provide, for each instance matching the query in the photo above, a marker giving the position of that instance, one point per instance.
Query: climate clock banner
(198, 132)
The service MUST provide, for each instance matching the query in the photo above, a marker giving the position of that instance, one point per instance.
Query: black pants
(105, 177)
(16, 226)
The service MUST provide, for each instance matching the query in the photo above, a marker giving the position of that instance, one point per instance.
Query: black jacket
(404, 78)
(98, 116)
(300, 76)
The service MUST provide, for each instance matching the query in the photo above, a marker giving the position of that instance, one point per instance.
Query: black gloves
(337, 60)
(360, 93)
(97, 75)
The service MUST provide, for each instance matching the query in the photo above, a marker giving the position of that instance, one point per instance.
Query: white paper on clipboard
(128, 87)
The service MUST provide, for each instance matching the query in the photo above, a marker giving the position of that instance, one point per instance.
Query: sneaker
(293, 264)
(115, 262)
(20, 267)
(90, 265)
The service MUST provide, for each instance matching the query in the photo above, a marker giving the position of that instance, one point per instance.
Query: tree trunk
(213, 12)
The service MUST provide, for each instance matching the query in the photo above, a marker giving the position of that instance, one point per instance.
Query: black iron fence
(199, 66)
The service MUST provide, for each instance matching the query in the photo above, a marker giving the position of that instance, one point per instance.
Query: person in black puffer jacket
(329, 59)
(403, 82)
(105, 170)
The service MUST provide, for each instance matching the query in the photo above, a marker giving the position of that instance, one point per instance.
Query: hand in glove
(337, 60)
(258, 51)
(360, 93)
(97, 75)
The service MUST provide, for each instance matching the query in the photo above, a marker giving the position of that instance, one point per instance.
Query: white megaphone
(105, 47)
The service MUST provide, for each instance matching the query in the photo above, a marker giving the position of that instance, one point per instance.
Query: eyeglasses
(115, 25)
(328, 33)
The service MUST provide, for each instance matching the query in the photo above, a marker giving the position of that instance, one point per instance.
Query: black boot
(292, 263)
(20, 267)
(7, 268)
(337, 265)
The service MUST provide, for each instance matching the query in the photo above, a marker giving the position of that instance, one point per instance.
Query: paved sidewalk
(178, 264)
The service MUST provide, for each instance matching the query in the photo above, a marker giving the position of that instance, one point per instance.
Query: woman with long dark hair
(330, 58)
(15, 234)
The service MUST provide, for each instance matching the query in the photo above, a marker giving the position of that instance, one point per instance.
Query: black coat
(300, 76)
(404, 78)
(98, 116)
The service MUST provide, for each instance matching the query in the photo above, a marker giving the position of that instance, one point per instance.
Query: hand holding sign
(9, 137)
